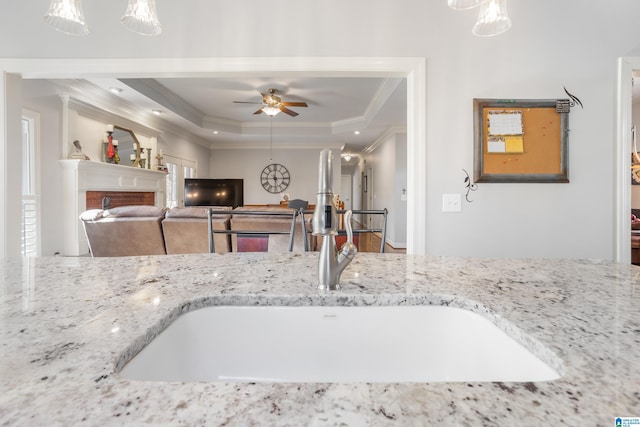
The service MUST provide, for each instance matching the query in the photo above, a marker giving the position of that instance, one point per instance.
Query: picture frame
(520, 141)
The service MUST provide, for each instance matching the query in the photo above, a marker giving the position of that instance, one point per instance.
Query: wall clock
(275, 178)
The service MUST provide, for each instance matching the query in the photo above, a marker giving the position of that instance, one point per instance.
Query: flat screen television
(213, 192)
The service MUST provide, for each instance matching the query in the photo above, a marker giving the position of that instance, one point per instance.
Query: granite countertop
(65, 322)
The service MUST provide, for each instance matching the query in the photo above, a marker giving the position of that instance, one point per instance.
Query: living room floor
(370, 242)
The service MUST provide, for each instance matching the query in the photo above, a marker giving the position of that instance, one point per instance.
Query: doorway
(624, 124)
(411, 68)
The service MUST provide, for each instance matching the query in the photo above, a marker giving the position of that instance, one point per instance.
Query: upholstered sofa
(148, 230)
(124, 231)
(186, 230)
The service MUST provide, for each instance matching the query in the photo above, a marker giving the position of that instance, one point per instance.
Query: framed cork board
(520, 141)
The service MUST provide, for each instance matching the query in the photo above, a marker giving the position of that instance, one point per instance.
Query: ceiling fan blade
(294, 104)
(258, 112)
(287, 111)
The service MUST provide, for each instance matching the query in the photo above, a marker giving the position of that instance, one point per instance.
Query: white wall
(399, 183)
(249, 163)
(527, 62)
(389, 165)
(181, 147)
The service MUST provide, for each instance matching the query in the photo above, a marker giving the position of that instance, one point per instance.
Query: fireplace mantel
(80, 176)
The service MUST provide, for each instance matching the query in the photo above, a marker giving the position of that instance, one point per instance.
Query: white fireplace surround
(80, 176)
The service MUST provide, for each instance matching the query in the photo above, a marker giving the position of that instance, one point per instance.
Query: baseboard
(394, 245)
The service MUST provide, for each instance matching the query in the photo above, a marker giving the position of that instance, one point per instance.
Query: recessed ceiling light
(115, 90)
(215, 132)
(156, 112)
(356, 132)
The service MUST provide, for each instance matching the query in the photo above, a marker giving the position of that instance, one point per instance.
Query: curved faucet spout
(331, 262)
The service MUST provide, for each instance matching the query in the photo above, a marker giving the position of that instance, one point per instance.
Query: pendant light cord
(271, 141)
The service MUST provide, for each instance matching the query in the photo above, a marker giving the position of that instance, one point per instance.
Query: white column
(64, 140)
(11, 164)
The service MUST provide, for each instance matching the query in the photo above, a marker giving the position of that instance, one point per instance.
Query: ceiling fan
(272, 104)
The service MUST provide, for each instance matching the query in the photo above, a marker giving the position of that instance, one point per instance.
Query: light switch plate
(451, 202)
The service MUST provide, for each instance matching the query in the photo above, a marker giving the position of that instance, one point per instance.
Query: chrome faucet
(332, 262)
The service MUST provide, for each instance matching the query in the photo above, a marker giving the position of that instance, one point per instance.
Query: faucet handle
(347, 225)
(348, 249)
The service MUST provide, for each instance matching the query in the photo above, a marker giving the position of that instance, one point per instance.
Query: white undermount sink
(335, 344)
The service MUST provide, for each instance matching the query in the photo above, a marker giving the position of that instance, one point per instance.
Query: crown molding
(169, 100)
(392, 131)
(377, 102)
(174, 103)
(102, 115)
(96, 103)
(279, 146)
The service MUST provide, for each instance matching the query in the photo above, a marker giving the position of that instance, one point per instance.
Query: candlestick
(110, 150)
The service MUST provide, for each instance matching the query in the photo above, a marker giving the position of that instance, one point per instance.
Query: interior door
(367, 194)
(346, 186)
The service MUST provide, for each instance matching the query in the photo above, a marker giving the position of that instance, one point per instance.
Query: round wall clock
(275, 178)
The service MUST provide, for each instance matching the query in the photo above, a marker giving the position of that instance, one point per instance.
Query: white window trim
(181, 163)
(33, 118)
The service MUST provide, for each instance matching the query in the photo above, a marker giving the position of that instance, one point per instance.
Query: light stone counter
(66, 322)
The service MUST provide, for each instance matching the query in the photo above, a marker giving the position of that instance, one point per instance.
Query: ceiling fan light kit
(269, 111)
(272, 104)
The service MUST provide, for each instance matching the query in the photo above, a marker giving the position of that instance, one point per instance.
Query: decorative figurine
(78, 154)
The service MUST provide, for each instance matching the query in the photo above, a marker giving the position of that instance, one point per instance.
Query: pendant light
(141, 17)
(464, 4)
(492, 19)
(66, 16)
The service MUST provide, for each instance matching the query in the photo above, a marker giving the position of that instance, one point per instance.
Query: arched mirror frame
(136, 147)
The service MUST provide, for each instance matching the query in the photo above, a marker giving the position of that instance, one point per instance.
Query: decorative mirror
(128, 146)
